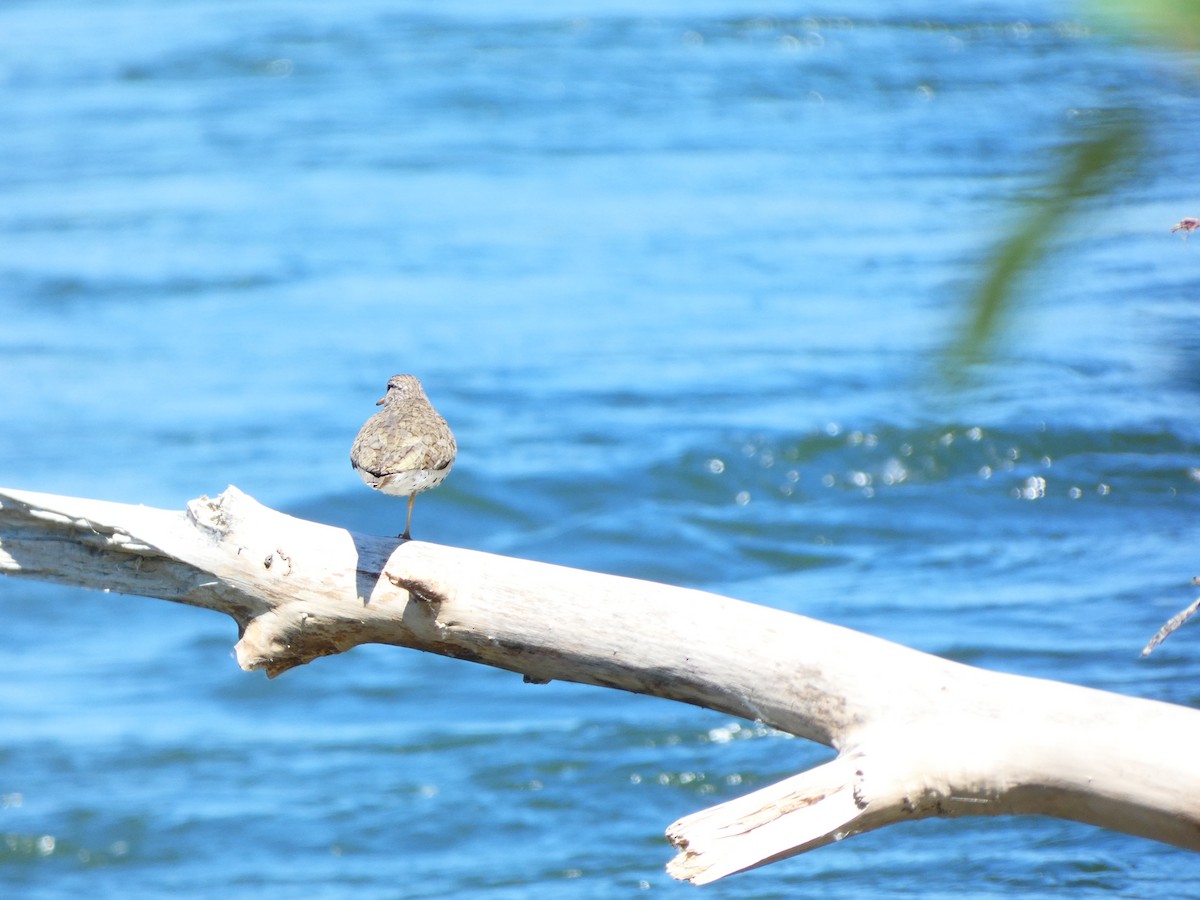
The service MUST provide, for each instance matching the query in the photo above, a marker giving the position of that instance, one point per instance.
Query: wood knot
(282, 557)
(419, 590)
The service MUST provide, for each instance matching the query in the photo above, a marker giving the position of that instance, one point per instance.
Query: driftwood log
(916, 735)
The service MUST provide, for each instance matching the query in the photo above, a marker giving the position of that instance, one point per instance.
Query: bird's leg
(408, 522)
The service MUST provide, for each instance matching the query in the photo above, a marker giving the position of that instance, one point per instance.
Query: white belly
(406, 483)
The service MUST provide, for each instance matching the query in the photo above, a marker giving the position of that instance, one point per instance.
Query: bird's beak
(379, 402)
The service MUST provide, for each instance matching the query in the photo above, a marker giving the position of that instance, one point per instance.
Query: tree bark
(916, 735)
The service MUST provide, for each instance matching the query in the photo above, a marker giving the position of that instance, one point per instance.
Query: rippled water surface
(679, 278)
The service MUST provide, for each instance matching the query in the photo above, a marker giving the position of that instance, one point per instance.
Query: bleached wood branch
(916, 736)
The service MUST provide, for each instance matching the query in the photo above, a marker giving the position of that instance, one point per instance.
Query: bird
(406, 447)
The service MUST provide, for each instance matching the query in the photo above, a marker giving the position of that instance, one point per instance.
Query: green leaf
(1092, 165)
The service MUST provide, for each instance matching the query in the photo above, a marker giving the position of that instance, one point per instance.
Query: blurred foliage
(1093, 162)
(1170, 23)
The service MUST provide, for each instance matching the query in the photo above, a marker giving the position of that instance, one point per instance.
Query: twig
(1186, 225)
(1173, 624)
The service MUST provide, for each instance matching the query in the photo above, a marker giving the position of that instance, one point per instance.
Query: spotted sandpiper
(406, 447)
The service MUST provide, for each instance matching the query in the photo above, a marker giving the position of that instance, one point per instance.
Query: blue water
(679, 278)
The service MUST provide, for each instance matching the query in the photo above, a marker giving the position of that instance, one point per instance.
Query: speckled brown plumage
(406, 447)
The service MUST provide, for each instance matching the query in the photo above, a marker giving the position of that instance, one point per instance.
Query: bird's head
(401, 386)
